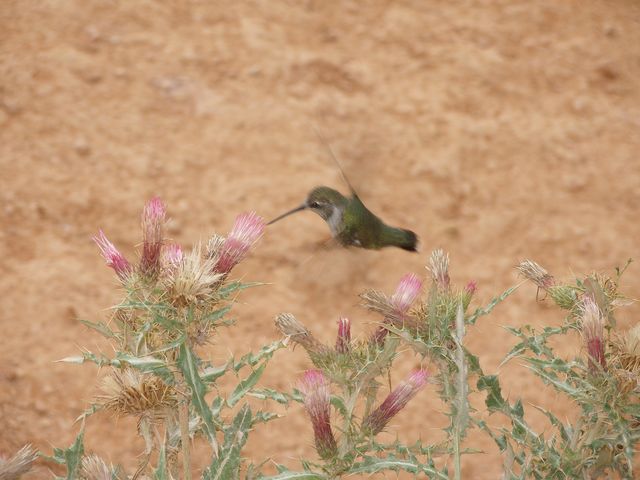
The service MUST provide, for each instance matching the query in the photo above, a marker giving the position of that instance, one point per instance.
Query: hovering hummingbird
(351, 222)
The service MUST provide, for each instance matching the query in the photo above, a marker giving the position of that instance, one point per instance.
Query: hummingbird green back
(364, 229)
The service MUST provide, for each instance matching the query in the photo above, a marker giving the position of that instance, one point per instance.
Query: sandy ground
(499, 130)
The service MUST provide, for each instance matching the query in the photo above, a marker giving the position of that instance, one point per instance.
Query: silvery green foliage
(601, 440)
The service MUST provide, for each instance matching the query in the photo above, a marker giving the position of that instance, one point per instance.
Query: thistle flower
(298, 333)
(406, 292)
(193, 279)
(130, 392)
(592, 325)
(315, 390)
(112, 256)
(394, 309)
(172, 255)
(439, 268)
(94, 468)
(153, 217)
(395, 401)
(246, 231)
(471, 287)
(343, 342)
(534, 272)
(16, 466)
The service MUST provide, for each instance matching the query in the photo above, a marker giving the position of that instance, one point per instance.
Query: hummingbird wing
(361, 228)
(335, 159)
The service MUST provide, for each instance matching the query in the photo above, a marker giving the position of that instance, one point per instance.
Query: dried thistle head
(13, 468)
(193, 279)
(113, 257)
(535, 273)
(298, 333)
(439, 268)
(130, 392)
(592, 326)
(315, 390)
(625, 351)
(153, 218)
(214, 247)
(94, 468)
(246, 231)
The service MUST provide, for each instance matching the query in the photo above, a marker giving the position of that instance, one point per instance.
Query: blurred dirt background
(498, 130)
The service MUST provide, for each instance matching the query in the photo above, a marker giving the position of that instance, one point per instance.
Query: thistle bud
(298, 333)
(246, 231)
(439, 268)
(471, 287)
(19, 464)
(343, 342)
(593, 333)
(153, 217)
(315, 390)
(407, 291)
(534, 272)
(395, 401)
(112, 256)
(94, 468)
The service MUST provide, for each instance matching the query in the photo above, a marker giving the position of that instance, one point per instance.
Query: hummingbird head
(322, 200)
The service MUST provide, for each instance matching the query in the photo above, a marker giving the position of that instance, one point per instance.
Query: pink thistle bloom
(592, 324)
(153, 217)
(172, 255)
(471, 287)
(315, 390)
(407, 291)
(112, 256)
(395, 401)
(246, 231)
(343, 342)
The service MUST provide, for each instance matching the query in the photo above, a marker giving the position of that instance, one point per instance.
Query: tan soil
(497, 130)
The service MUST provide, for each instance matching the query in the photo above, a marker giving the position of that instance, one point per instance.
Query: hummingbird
(351, 223)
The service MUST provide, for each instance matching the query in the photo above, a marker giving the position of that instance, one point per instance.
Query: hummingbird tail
(409, 242)
(401, 238)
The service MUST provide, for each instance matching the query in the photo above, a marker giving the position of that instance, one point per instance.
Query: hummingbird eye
(314, 205)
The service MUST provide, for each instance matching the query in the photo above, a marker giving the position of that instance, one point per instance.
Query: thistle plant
(602, 382)
(174, 302)
(354, 373)
(177, 300)
(346, 380)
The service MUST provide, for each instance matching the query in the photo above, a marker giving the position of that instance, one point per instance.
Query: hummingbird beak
(297, 209)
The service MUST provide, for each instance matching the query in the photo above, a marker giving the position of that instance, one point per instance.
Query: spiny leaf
(287, 475)
(494, 401)
(245, 385)
(270, 394)
(100, 327)
(146, 364)
(161, 470)
(225, 466)
(491, 305)
(188, 364)
(252, 359)
(72, 456)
